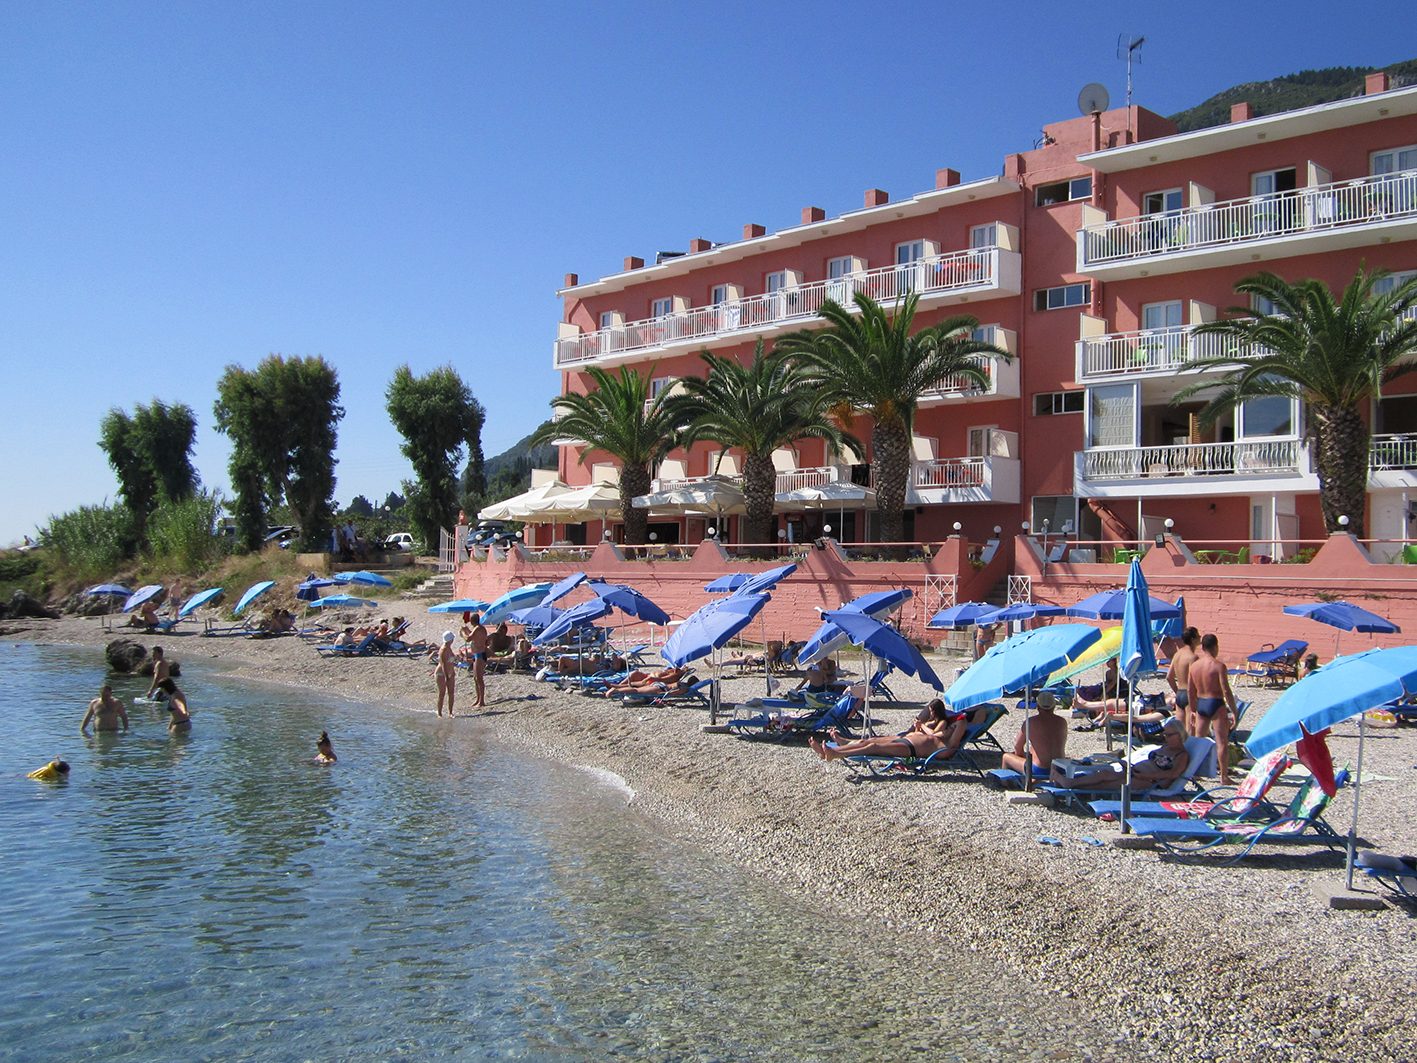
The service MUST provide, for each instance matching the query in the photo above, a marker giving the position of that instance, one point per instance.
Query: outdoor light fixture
(1343, 521)
(782, 533)
(998, 531)
(654, 537)
(1170, 523)
(1025, 527)
(958, 526)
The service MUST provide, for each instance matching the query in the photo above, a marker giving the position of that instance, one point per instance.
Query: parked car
(486, 532)
(399, 541)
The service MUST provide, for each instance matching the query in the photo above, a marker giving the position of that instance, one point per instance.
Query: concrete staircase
(439, 588)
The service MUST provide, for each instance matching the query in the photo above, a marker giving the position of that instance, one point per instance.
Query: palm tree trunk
(890, 463)
(1341, 454)
(634, 480)
(760, 492)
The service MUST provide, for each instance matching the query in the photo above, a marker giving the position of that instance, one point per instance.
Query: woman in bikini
(923, 739)
(1162, 765)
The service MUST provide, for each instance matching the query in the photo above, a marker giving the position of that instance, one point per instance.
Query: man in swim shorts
(161, 670)
(477, 644)
(1178, 675)
(1212, 701)
(445, 673)
(105, 711)
(325, 752)
(1047, 735)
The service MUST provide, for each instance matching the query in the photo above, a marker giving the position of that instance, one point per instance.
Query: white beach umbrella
(528, 505)
(712, 496)
(597, 501)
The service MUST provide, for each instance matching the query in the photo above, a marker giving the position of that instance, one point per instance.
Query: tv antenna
(1129, 48)
(1093, 98)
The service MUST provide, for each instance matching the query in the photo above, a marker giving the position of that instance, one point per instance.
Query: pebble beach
(1153, 956)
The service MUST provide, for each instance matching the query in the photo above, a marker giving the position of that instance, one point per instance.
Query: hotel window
(776, 282)
(1393, 160)
(1049, 403)
(1261, 304)
(1063, 296)
(906, 253)
(1156, 317)
(839, 267)
(607, 319)
(658, 384)
(1111, 417)
(1167, 202)
(1272, 415)
(982, 236)
(1063, 191)
(1392, 282)
(661, 307)
(718, 294)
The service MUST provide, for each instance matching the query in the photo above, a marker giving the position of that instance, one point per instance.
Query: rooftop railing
(957, 270)
(1343, 204)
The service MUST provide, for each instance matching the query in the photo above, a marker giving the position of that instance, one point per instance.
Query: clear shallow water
(216, 896)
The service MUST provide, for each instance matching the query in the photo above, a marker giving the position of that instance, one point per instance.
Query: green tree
(1332, 356)
(757, 408)
(359, 506)
(874, 364)
(620, 418)
(436, 414)
(281, 418)
(151, 451)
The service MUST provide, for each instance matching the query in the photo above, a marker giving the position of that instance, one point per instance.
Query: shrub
(91, 541)
(180, 533)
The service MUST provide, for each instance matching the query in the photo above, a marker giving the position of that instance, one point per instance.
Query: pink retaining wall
(1243, 604)
(825, 579)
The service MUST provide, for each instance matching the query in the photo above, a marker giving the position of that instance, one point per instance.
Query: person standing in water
(326, 751)
(477, 643)
(161, 672)
(180, 719)
(446, 672)
(105, 711)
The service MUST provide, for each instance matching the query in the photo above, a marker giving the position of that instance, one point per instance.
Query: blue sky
(187, 186)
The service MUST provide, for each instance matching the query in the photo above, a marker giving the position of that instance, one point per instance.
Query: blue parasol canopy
(724, 584)
(198, 600)
(883, 641)
(829, 638)
(141, 595)
(252, 593)
(1171, 627)
(109, 588)
(1345, 616)
(1025, 660)
(710, 627)
(560, 589)
(765, 581)
(310, 589)
(1111, 605)
(461, 605)
(371, 579)
(1019, 611)
(1137, 654)
(342, 599)
(966, 614)
(514, 599)
(537, 616)
(628, 600)
(576, 616)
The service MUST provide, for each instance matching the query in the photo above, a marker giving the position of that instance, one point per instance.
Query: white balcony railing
(787, 480)
(1393, 452)
(1252, 458)
(1343, 204)
(949, 473)
(956, 271)
(1147, 351)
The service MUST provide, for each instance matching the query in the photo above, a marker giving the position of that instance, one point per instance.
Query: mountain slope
(1290, 92)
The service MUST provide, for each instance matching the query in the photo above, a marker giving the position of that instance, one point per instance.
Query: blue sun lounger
(1201, 752)
(778, 720)
(364, 649)
(976, 735)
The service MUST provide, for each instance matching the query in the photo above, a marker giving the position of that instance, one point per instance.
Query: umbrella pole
(1027, 742)
(1357, 794)
(866, 668)
(767, 674)
(1127, 771)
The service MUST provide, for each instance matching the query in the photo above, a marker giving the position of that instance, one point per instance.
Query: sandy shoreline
(1180, 961)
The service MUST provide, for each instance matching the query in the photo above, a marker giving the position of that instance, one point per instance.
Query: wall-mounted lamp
(958, 526)
(1343, 522)
(1025, 527)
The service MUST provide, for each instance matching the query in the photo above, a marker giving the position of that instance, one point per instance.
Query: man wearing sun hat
(1047, 735)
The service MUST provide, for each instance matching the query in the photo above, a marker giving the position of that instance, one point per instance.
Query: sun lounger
(364, 649)
(1276, 665)
(779, 720)
(1301, 823)
(976, 735)
(689, 691)
(1201, 752)
(1246, 801)
(1397, 873)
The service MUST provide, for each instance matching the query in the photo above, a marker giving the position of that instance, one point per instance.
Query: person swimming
(326, 753)
(54, 771)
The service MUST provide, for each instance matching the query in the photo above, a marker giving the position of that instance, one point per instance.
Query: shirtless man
(500, 642)
(1047, 735)
(161, 670)
(1212, 701)
(446, 672)
(180, 719)
(105, 711)
(477, 646)
(1178, 676)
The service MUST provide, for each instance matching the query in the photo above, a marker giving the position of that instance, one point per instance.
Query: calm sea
(217, 896)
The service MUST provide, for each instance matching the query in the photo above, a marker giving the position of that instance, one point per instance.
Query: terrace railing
(1257, 458)
(937, 273)
(949, 473)
(1393, 452)
(1342, 204)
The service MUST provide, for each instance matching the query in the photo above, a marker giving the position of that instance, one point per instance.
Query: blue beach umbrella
(628, 600)
(1137, 655)
(576, 616)
(966, 614)
(829, 638)
(141, 595)
(198, 600)
(536, 616)
(710, 627)
(461, 605)
(564, 587)
(1110, 605)
(1026, 660)
(516, 598)
(370, 579)
(724, 584)
(1343, 688)
(1345, 617)
(883, 641)
(1171, 627)
(109, 588)
(252, 593)
(311, 588)
(341, 599)
(1020, 611)
(765, 581)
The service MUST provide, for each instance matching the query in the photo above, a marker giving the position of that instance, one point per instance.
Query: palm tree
(1334, 357)
(757, 408)
(872, 363)
(620, 418)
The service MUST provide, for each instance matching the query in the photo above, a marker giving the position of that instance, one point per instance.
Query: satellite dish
(1093, 97)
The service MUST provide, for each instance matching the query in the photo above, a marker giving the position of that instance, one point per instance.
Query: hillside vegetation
(1292, 91)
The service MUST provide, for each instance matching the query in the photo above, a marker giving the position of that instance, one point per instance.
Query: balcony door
(909, 276)
(1275, 209)
(1111, 416)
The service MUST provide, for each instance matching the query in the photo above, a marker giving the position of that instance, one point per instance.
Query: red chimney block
(695, 246)
(946, 178)
(1375, 83)
(876, 198)
(1241, 112)
(752, 231)
(631, 262)
(811, 214)
(572, 279)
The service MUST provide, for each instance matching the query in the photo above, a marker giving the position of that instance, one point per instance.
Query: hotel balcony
(1392, 461)
(959, 276)
(1146, 352)
(1241, 468)
(955, 480)
(787, 480)
(1003, 376)
(1306, 221)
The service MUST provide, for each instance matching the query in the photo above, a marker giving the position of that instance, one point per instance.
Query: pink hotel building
(1091, 258)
